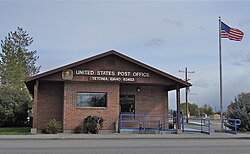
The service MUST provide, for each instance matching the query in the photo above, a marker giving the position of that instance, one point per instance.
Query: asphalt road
(126, 146)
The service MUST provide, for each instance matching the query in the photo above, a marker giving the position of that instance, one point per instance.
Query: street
(124, 146)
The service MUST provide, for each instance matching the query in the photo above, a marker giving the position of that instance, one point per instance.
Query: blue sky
(168, 35)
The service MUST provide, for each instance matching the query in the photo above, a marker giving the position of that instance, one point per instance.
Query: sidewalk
(64, 136)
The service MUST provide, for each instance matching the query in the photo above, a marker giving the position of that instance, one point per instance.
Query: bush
(240, 109)
(92, 124)
(53, 127)
(78, 129)
(171, 126)
(14, 105)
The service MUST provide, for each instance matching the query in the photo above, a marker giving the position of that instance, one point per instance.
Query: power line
(187, 88)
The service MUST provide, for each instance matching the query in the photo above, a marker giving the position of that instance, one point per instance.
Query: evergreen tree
(16, 61)
(240, 109)
(16, 64)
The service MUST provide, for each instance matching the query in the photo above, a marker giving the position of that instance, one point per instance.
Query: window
(92, 99)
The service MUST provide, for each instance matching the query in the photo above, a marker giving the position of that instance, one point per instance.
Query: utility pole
(187, 88)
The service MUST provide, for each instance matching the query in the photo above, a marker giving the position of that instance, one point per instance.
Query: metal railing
(200, 125)
(231, 124)
(143, 122)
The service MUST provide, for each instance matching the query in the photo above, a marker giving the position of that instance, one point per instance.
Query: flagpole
(221, 106)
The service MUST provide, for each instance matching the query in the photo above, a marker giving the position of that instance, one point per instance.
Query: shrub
(92, 124)
(13, 106)
(78, 129)
(53, 127)
(171, 126)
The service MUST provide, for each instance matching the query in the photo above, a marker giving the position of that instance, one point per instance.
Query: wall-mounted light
(138, 89)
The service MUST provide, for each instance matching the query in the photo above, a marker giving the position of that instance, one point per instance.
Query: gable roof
(32, 79)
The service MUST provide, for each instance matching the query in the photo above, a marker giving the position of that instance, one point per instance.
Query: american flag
(231, 33)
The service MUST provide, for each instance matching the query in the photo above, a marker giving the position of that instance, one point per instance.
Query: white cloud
(172, 22)
(155, 42)
(244, 23)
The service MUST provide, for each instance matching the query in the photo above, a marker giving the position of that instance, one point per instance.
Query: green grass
(14, 130)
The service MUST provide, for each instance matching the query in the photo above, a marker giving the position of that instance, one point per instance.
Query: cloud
(172, 22)
(155, 42)
(244, 23)
(201, 28)
(201, 83)
(236, 63)
(247, 57)
(240, 57)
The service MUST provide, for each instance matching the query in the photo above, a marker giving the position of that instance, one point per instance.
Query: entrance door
(127, 104)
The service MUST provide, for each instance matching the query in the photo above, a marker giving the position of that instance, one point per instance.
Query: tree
(193, 108)
(13, 106)
(16, 64)
(207, 109)
(16, 61)
(201, 111)
(240, 109)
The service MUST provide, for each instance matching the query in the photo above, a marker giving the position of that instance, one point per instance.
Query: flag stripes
(231, 33)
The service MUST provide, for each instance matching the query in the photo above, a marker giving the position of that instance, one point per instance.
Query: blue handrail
(203, 126)
(145, 122)
(142, 122)
(231, 123)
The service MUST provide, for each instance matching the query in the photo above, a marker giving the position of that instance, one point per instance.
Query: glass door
(127, 104)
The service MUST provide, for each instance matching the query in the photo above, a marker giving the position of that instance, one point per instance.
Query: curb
(124, 138)
(127, 139)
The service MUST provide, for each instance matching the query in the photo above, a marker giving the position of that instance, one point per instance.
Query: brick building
(103, 85)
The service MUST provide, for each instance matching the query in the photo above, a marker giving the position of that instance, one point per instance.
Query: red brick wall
(50, 103)
(150, 100)
(73, 115)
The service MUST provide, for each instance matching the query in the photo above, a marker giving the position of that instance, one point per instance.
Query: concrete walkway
(64, 136)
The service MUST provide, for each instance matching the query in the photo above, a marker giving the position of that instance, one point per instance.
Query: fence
(144, 122)
(231, 123)
(200, 125)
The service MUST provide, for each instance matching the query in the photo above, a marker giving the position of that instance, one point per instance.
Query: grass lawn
(14, 130)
